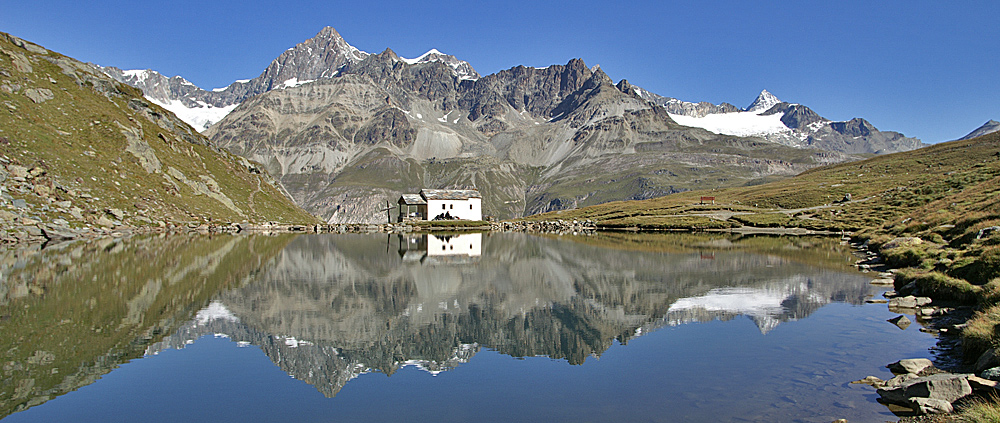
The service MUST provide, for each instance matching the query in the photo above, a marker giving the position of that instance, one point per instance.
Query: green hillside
(80, 149)
(953, 183)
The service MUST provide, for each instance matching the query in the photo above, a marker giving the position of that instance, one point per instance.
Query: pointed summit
(764, 101)
(987, 128)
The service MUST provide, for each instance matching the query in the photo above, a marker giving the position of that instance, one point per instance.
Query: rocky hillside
(80, 150)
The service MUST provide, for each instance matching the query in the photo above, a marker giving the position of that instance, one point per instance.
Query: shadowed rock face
(334, 307)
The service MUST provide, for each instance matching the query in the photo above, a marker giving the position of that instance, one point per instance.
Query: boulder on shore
(909, 365)
(946, 387)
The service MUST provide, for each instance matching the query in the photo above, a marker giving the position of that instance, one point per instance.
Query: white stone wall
(471, 209)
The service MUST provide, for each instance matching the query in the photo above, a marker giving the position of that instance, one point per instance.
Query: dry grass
(985, 410)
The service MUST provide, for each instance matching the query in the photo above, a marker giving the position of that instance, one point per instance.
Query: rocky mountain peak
(598, 76)
(764, 101)
(319, 57)
(856, 127)
(627, 88)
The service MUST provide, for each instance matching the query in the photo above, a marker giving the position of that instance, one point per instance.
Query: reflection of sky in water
(329, 310)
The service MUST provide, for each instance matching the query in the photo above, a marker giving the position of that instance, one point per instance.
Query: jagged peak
(328, 31)
(389, 54)
(598, 75)
(625, 87)
(576, 63)
(764, 101)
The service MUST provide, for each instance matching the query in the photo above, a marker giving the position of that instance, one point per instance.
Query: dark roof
(449, 194)
(411, 199)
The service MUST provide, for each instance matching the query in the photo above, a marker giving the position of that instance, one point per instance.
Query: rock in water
(902, 322)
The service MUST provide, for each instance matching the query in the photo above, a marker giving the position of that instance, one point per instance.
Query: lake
(444, 327)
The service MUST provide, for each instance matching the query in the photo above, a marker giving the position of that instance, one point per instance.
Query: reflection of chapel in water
(441, 248)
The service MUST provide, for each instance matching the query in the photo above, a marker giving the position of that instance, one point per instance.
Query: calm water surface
(483, 327)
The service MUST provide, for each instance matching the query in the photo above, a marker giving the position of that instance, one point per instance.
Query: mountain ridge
(989, 127)
(319, 57)
(539, 138)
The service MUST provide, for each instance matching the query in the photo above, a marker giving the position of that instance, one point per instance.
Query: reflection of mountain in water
(72, 312)
(776, 302)
(333, 307)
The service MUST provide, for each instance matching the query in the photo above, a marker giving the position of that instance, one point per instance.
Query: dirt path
(726, 214)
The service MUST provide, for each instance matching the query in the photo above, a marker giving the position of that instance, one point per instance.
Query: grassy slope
(77, 137)
(949, 183)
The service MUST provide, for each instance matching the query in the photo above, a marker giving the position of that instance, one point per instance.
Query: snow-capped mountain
(763, 102)
(785, 123)
(461, 68)
(321, 57)
(988, 128)
(197, 107)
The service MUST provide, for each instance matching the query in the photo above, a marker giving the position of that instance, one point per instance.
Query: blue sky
(928, 69)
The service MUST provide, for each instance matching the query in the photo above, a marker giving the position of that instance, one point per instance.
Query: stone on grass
(902, 242)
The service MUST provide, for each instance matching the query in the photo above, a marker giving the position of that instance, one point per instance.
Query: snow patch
(295, 343)
(140, 74)
(430, 52)
(200, 117)
(294, 82)
(734, 300)
(215, 311)
(740, 123)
